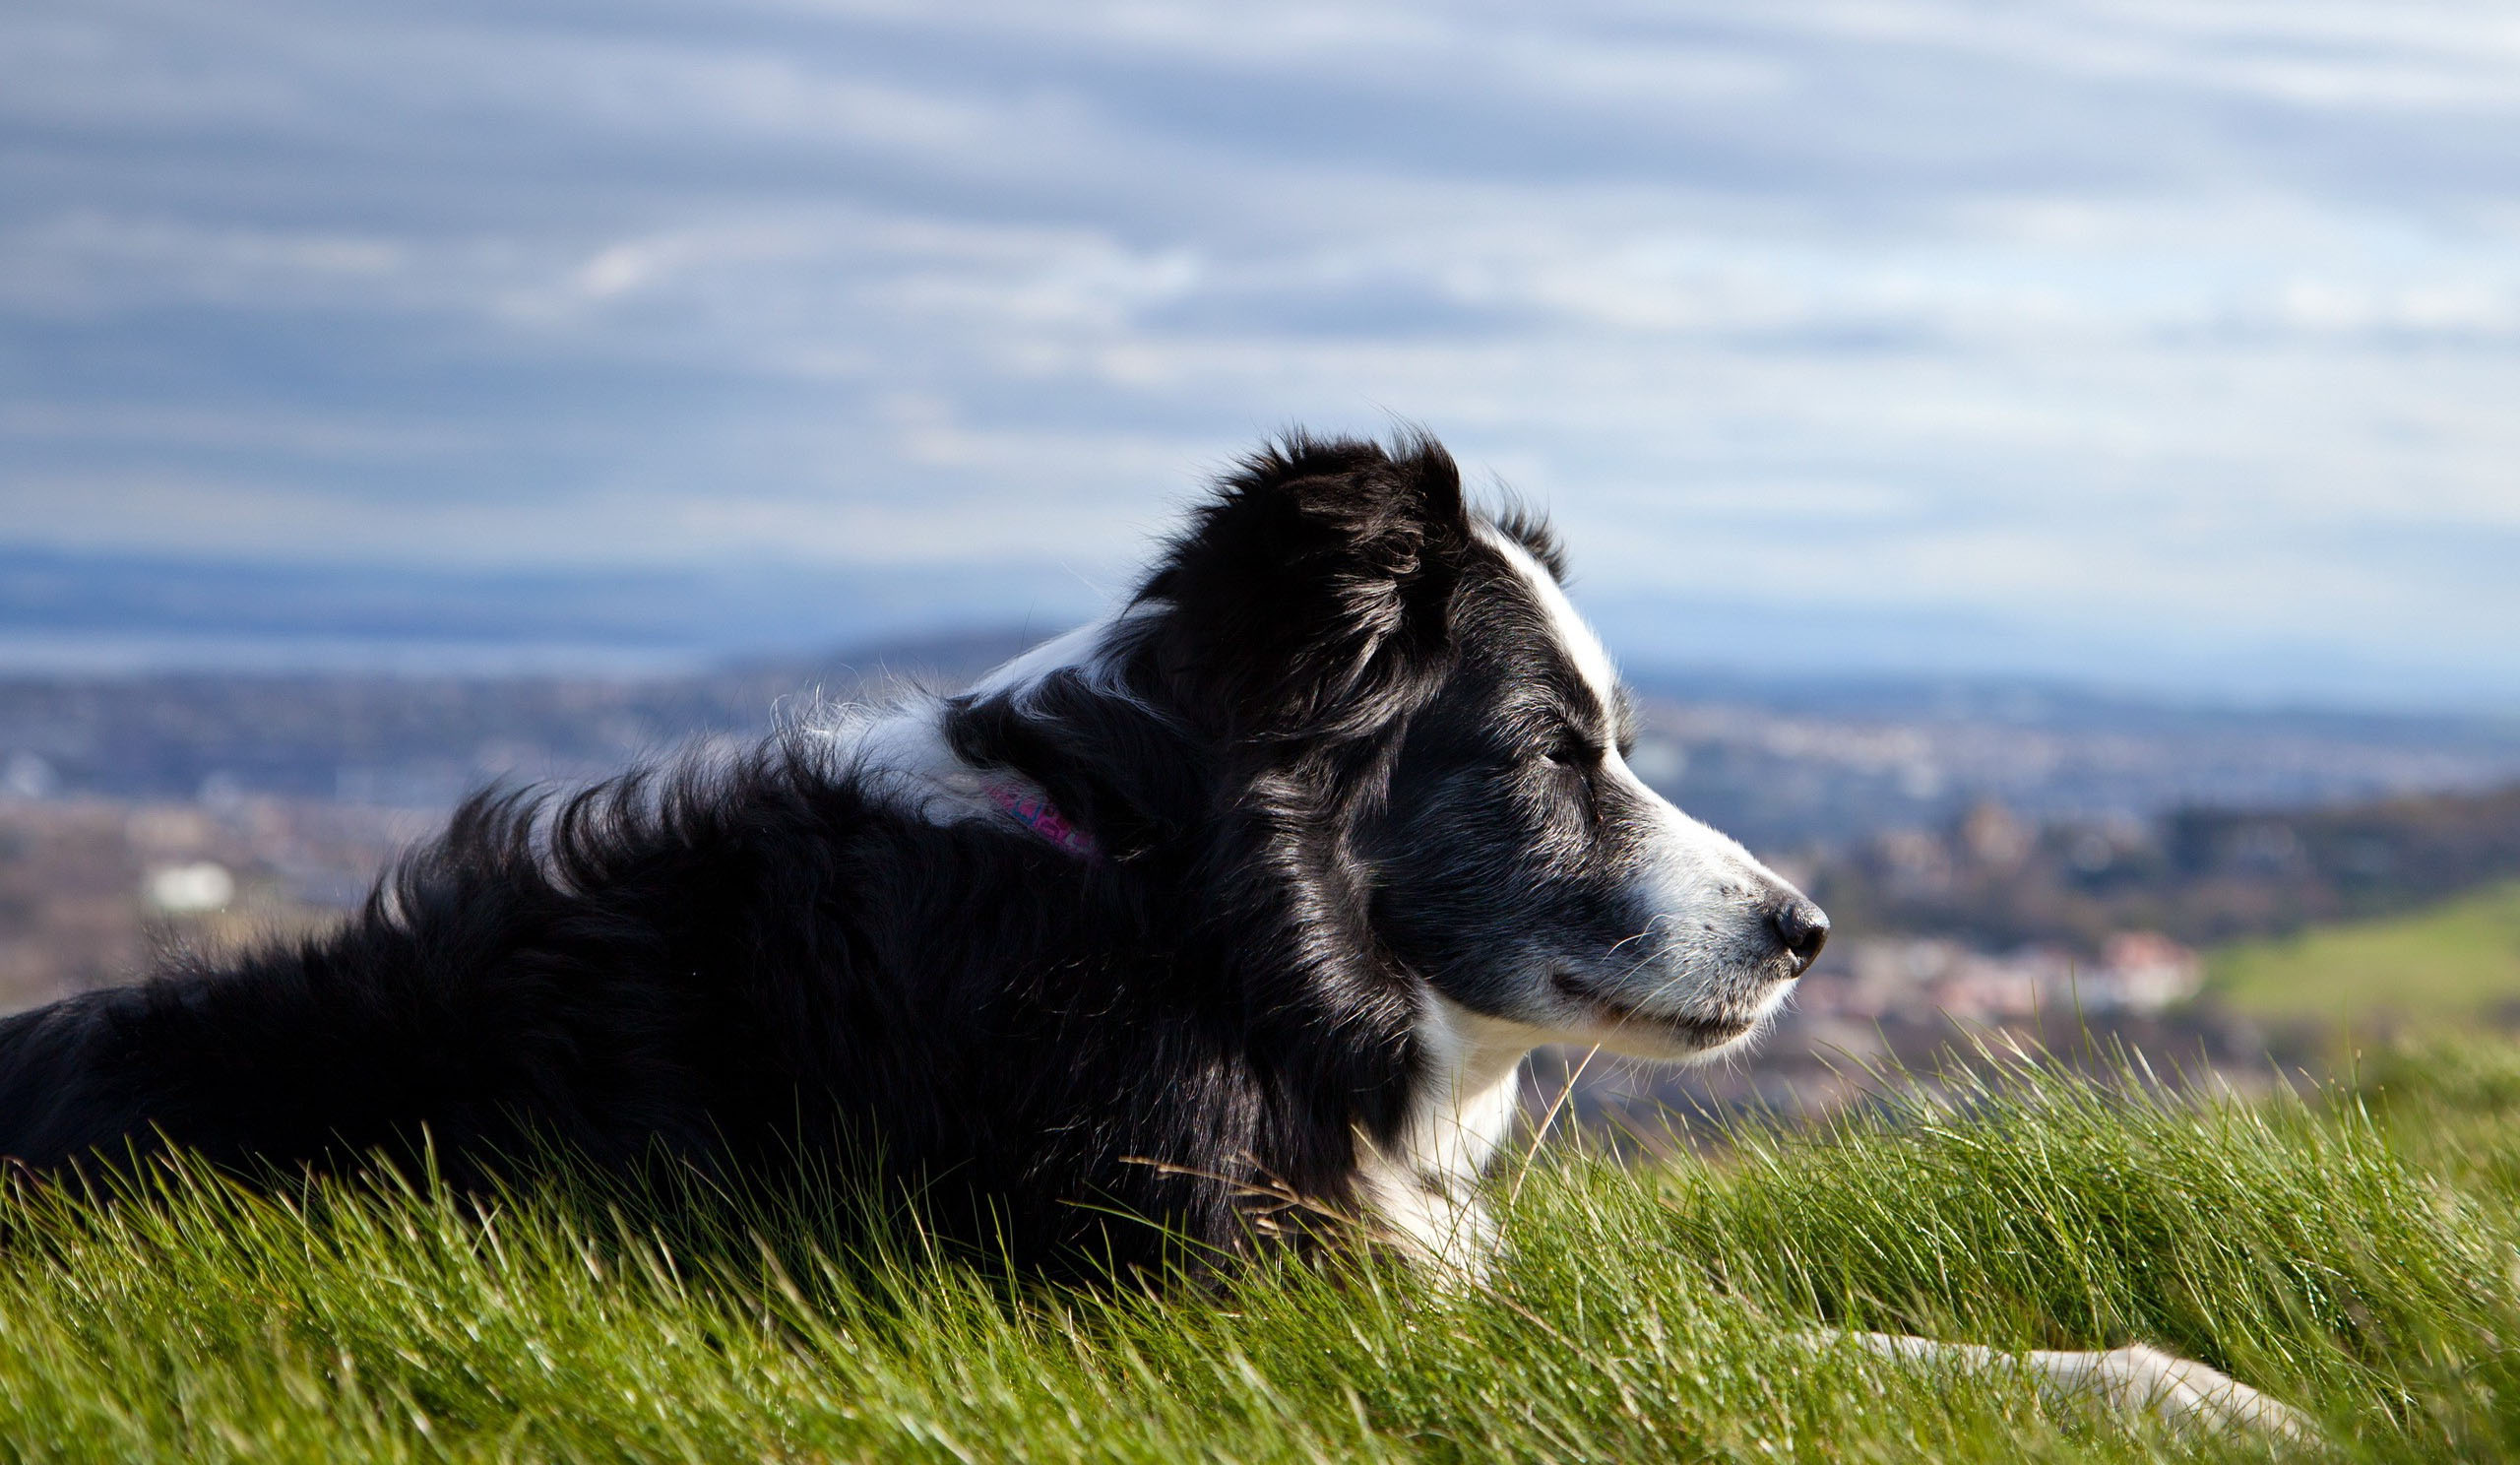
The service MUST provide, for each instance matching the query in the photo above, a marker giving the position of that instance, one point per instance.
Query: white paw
(2134, 1380)
(2182, 1391)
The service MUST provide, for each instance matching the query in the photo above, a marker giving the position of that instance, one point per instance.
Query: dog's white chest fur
(1423, 1186)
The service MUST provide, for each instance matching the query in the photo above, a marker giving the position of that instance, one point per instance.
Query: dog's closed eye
(1573, 753)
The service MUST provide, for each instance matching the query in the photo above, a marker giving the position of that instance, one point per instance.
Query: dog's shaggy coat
(1213, 1005)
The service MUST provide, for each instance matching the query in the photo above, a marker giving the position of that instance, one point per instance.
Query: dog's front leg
(2132, 1380)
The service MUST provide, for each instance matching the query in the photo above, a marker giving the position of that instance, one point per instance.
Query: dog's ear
(1311, 596)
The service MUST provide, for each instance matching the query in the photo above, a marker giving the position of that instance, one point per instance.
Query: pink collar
(1034, 811)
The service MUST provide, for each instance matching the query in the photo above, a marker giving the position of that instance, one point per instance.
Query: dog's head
(1344, 604)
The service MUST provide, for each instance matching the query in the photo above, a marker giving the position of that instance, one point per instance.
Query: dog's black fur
(740, 962)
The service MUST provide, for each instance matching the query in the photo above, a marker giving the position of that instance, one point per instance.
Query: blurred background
(2051, 466)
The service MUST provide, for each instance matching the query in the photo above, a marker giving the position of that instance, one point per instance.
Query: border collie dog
(1235, 910)
(1255, 892)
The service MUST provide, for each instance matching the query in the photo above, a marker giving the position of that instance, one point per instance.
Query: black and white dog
(1235, 910)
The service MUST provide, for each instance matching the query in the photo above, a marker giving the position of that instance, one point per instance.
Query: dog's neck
(1423, 1184)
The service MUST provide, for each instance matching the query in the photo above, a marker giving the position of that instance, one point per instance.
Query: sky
(2173, 345)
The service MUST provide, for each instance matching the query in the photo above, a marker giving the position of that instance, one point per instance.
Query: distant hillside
(2456, 961)
(2202, 876)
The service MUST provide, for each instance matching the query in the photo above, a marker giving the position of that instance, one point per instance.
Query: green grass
(2354, 1257)
(2453, 961)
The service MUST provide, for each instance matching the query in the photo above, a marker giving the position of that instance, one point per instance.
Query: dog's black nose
(1803, 927)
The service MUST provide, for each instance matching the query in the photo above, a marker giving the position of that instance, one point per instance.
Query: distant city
(1999, 856)
(1783, 763)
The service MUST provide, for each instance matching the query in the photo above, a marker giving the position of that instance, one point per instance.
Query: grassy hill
(2457, 960)
(2344, 1255)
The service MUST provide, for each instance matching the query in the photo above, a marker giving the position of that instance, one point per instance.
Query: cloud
(2095, 316)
